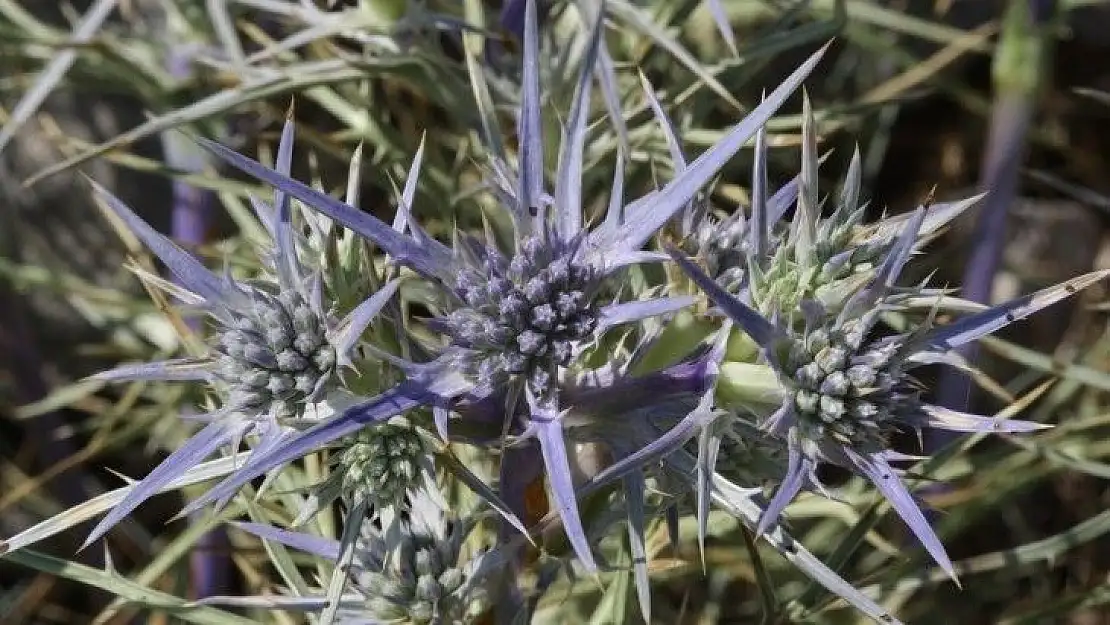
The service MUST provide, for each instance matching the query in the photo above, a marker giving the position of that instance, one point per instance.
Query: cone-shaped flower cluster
(843, 389)
(724, 246)
(381, 465)
(523, 316)
(275, 355)
(424, 581)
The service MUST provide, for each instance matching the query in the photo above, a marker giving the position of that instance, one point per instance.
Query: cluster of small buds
(784, 284)
(840, 257)
(423, 581)
(275, 355)
(523, 316)
(724, 247)
(382, 464)
(845, 388)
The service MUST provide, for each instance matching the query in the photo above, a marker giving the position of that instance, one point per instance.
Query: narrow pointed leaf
(900, 254)
(278, 602)
(287, 264)
(720, 17)
(181, 369)
(610, 262)
(781, 201)
(670, 134)
(669, 441)
(326, 548)
(804, 227)
(116, 585)
(629, 312)
(760, 226)
(761, 330)
(709, 443)
(798, 467)
(432, 259)
(189, 271)
(549, 432)
(568, 182)
(530, 127)
(849, 195)
(939, 215)
(400, 221)
(193, 452)
(663, 205)
(86, 510)
(954, 421)
(348, 331)
(981, 324)
(882, 476)
(615, 214)
(610, 92)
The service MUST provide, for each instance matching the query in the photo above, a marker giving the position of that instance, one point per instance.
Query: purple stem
(1018, 74)
(209, 562)
(1006, 147)
(25, 364)
(520, 468)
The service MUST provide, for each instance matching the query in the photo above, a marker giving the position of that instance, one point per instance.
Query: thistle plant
(810, 294)
(276, 348)
(517, 317)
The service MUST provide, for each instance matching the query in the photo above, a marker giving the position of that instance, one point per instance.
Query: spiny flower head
(416, 570)
(523, 316)
(842, 388)
(382, 465)
(847, 392)
(779, 264)
(724, 246)
(275, 354)
(275, 350)
(424, 580)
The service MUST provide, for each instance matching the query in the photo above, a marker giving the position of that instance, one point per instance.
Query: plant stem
(1019, 68)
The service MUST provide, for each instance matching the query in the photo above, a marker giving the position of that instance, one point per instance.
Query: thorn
(929, 198)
